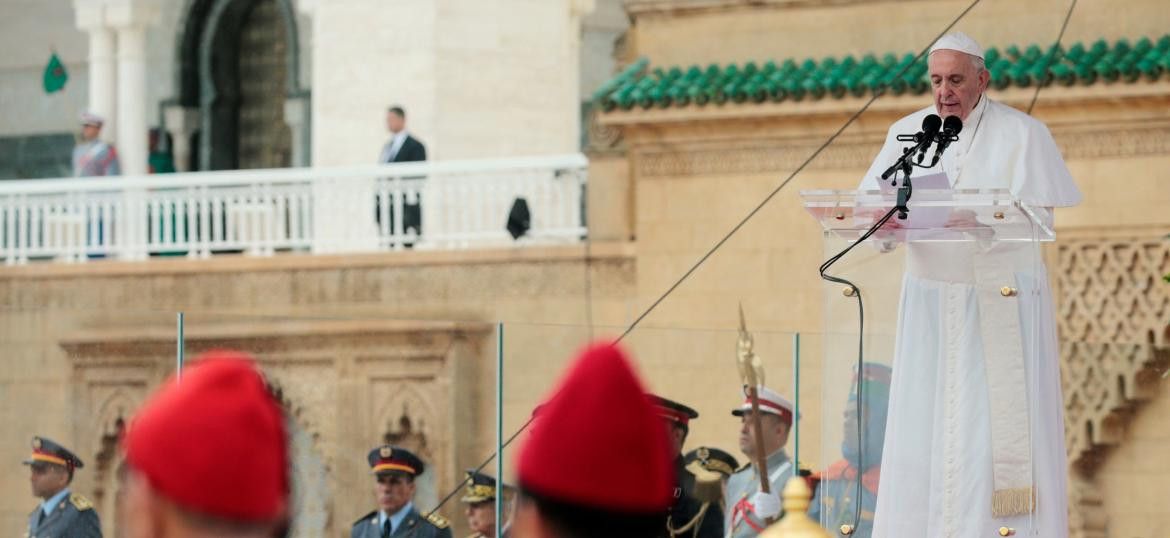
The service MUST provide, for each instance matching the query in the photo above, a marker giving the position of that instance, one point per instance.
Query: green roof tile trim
(1082, 63)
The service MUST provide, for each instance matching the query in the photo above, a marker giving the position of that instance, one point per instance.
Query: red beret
(214, 443)
(600, 443)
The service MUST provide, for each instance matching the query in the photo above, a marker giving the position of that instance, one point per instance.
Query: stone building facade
(402, 346)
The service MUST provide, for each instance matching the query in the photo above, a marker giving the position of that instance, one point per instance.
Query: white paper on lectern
(923, 217)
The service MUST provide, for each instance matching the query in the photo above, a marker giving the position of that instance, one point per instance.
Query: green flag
(55, 75)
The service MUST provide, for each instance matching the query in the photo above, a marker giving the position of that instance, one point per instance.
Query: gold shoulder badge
(80, 502)
(386, 452)
(438, 521)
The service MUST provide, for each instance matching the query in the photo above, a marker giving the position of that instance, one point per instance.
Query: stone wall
(362, 349)
(480, 79)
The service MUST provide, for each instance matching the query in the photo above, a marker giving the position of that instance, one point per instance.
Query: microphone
(921, 139)
(950, 133)
(930, 126)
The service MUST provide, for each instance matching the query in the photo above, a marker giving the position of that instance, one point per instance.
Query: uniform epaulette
(367, 516)
(80, 502)
(438, 521)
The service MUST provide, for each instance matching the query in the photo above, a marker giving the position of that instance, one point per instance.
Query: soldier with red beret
(208, 456)
(599, 463)
(394, 469)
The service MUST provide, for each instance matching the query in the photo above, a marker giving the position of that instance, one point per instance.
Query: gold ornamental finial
(796, 523)
(751, 368)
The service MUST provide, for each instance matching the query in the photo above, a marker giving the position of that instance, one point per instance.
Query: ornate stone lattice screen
(1114, 326)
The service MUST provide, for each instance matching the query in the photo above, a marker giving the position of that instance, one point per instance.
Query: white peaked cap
(90, 118)
(960, 42)
(769, 401)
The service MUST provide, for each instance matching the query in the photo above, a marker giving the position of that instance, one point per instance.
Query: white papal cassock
(972, 435)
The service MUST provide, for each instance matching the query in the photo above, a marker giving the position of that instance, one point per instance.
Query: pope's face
(957, 82)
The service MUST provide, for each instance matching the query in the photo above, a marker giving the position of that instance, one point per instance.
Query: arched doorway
(239, 73)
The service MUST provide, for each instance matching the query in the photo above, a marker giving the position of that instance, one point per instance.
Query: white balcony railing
(459, 204)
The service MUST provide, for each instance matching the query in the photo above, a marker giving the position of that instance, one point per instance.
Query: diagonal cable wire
(1057, 52)
(880, 91)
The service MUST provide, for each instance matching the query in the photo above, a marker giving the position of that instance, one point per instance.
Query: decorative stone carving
(780, 155)
(601, 137)
(1111, 291)
(327, 375)
(1113, 312)
(1087, 516)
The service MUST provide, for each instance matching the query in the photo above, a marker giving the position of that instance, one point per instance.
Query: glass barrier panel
(940, 394)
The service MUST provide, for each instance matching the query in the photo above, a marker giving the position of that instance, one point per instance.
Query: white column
(295, 116)
(578, 10)
(102, 73)
(132, 128)
(102, 84)
(181, 124)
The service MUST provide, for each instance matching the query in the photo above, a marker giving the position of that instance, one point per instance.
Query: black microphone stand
(901, 207)
(905, 164)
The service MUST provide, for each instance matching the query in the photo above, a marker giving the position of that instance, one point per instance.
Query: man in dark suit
(401, 148)
(394, 469)
(61, 513)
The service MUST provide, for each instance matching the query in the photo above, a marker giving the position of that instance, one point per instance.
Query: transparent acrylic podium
(953, 422)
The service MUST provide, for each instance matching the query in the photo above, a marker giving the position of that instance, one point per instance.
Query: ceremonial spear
(751, 373)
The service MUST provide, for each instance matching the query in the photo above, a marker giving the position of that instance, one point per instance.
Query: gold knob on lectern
(848, 291)
(1008, 291)
(998, 215)
(839, 216)
(846, 530)
(1007, 531)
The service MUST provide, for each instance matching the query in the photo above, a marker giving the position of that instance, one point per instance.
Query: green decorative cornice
(1098, 63)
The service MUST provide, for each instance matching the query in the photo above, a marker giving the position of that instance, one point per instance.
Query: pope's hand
(962, 218)
(765, 505)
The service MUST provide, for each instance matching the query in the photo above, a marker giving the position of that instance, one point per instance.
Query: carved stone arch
(310, 471)
(112, 416)
(407, 418)
(297, 411)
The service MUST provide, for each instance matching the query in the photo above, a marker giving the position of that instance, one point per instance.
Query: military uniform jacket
(741, 521)
(834, 503)
(73, 517)
(690, 517)
(414, 525)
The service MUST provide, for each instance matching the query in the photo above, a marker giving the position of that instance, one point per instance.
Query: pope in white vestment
(975, 436)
